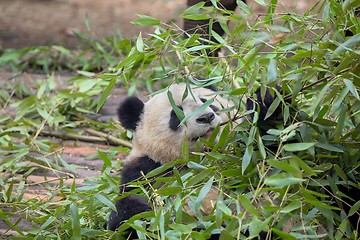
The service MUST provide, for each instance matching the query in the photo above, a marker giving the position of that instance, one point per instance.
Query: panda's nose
(205, 118)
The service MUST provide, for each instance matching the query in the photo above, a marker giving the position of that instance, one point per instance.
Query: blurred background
(40, 22)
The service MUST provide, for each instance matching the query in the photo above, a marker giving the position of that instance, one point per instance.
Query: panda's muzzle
(206, 135)
(206, 118)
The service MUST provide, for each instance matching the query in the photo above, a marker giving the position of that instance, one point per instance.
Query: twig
(44, 122)
(111, 139)
(289, 96)
(97, 137)
(73, 136)
(228, 70)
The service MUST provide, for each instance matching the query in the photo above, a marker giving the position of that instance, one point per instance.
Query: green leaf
(146, 20)
(196, 166)
(257, 226)
(179, 113)
(182, 228)
(274, 105)
(199, 177)
(329, 147)
(295, 147)
(197, 48)
(197, 110)
(105, 94)
(223, 137)
(296, 204)
(284, 166)
(243, 6)
(86, 73)
(319, 98)
(347, 45)
(349, 84)
(139, 43)
(238, 91)
(283, 235)
(307, 169)
(340, 172)
(75, 222)
(308, 196)
(105, 201)
(247, 205)
(105, 158)
(203, 192)
(220, 206)
(168, 191)
(282, 180)
(272, 72)
(193, 9)
(66, 165)
(247, 158)
(47, 223)
(354, 208)
(340, 123)
(41, 90)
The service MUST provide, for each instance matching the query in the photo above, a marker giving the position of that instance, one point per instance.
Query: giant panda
(159, 136)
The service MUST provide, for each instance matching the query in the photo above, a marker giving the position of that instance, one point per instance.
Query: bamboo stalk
(111, 139)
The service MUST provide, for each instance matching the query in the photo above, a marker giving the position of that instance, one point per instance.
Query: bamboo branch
(98, 137)
(111, 139)
(289, 96)
(72, 136)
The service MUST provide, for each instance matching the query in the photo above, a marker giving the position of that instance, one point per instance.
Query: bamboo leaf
(349, 84)
(354, 209)
(75, 222)
(274, 105)
(247, 158)
(248, 205)
(105, 94)
(105, 201)
(197, 110)
(347, 45)
(272, 72)
(295, 147)
(203, 192)
(282, 180)
(146, 20)
(168, 191)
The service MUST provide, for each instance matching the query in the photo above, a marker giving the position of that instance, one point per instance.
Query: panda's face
(159, 134)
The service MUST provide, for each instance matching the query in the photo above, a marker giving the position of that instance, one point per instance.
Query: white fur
(153, 136)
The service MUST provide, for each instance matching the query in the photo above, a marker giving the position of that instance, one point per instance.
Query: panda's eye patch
(174, 121)
(214, 108)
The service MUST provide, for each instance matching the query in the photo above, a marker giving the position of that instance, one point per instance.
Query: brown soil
(38, 22)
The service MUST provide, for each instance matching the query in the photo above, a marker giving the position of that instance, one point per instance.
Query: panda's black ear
(130, 111)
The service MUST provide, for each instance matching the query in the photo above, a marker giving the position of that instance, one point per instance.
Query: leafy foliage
(290, 182)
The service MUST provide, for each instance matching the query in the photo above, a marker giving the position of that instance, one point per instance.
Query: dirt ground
(40, 22)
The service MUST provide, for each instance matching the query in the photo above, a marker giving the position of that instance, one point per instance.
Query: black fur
(174, 121)
(212, 87)
(263, 105)
(126, 208)
(129, 206)
(130, 111)
(214, 108)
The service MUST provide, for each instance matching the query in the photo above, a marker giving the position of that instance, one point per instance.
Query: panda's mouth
(206, 135)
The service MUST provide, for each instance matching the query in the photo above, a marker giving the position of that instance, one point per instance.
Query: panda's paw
(127, 208)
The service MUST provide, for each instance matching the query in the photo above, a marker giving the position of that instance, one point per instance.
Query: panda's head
(157, 129)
